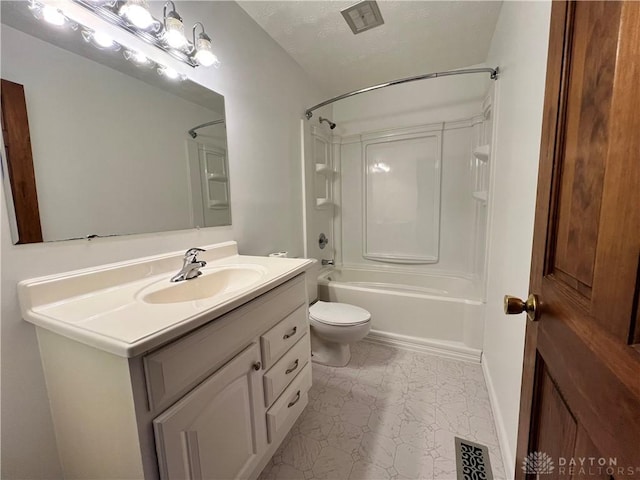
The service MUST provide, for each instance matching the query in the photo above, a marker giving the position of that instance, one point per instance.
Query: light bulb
(103, 40)
(169, 72)
(174, 34)
(204, 56)
(53, 16)
(137, 12)
(100, 40)
(140, 57)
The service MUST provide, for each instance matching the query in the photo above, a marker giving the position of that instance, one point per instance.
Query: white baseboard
(455, 350)
(507, 454)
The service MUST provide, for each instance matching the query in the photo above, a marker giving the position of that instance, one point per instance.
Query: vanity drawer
(285, 369)
(290, 404)
(283, 336)
(174, 369)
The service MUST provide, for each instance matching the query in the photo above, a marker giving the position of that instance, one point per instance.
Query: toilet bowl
(333, 327)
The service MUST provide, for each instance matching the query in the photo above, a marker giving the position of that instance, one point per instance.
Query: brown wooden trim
(15, 129)
(634, 328)
(560, 16)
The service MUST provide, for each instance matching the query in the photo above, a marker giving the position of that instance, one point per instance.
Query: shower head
(329, 122)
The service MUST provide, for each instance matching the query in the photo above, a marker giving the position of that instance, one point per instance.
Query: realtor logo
(538, 463)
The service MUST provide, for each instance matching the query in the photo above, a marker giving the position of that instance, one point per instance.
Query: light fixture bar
(115, 19)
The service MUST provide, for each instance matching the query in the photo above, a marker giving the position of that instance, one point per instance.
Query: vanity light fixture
(134, 17)
(173, 27)
(202, 45)
(167, 34)
(137, 12)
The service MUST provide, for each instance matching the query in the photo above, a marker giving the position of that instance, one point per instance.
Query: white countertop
(103, 306)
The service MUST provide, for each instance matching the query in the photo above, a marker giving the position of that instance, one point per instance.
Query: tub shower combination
(407, 208)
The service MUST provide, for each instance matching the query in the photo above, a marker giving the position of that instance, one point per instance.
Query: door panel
(215, 431)
(556, 427)
(583, 154)
(581, 380)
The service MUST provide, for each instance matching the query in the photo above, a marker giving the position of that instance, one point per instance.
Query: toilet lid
(343, 314)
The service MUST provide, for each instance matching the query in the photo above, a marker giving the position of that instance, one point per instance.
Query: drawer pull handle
(289, 335)
(293, 402)
(257, 366)
(295, 366)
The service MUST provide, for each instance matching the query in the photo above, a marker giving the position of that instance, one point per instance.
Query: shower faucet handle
(323, 241)
(328, 262)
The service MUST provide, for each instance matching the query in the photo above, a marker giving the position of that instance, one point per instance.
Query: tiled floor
(389, 414)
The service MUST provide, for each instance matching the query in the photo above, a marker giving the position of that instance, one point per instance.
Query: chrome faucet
(191, 266)
(327, 262)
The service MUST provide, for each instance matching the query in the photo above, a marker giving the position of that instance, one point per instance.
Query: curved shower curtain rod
(193, 133)
(494, 72)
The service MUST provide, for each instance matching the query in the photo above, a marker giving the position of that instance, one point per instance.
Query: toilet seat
(338, 314)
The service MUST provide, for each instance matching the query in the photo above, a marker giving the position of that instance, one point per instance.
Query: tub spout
(327, 262)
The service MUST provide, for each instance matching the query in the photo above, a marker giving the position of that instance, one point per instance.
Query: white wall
(77, 108)
(519, 46)
(266, 93)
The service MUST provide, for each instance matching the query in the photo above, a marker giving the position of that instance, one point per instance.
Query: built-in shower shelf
(480, 196)
(217, 177)
(323, 202)
(218, 204)
(482, 152)
(324, 169)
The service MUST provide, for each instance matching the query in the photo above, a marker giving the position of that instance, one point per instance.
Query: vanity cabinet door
(216, 431)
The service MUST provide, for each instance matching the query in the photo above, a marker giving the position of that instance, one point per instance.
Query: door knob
(514, 305)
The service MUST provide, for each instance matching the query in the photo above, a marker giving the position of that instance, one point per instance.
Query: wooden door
(218, 431)
(580, 404)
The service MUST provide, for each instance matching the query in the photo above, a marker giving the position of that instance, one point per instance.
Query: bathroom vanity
(197, 379)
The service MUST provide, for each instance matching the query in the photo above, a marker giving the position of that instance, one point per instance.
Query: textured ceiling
(417, 37)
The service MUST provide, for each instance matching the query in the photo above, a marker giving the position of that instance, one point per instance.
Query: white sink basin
(131, 307)
(210, 284)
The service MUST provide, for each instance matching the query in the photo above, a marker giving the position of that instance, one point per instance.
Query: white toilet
(333, 326)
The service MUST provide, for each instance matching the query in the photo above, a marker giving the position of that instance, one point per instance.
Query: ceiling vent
(363, 16)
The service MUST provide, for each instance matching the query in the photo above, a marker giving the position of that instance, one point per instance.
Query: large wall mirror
(97, 146)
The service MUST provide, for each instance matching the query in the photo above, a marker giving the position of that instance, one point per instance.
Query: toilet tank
(312, 281)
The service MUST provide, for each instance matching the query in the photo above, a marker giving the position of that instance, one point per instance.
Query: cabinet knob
(257, 366)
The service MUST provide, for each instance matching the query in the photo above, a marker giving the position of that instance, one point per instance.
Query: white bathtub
(442, 314)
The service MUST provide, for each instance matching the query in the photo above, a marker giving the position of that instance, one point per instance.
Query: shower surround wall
(430, 199)
(411, 199)
(451, 107)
